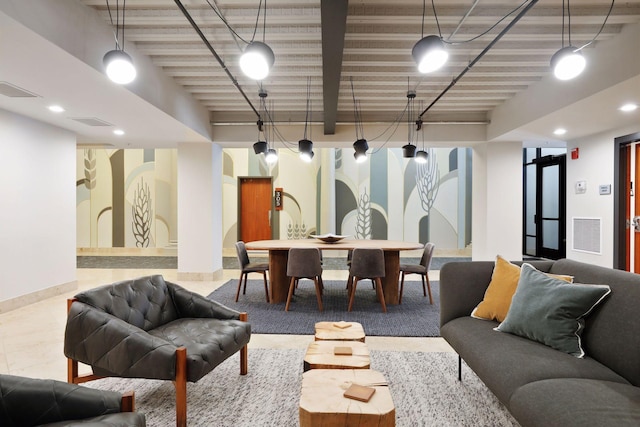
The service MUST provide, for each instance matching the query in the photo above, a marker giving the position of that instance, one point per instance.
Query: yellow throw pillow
(497, 297)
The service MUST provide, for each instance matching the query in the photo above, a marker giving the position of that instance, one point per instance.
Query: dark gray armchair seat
(27, 402)
(150, 328)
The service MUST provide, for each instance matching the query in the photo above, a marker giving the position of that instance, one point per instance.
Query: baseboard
(33, 297)
(200, 277)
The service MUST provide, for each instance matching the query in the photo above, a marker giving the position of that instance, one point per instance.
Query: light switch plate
(604, 189)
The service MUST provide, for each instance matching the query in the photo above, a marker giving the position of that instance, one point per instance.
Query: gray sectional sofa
(541, 386)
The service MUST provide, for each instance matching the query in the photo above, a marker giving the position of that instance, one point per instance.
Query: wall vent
(13, 91)
(91, 121)
(587, 234)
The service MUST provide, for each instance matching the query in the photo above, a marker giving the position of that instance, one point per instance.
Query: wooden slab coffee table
(321, 355)
(322, 402)
(329, 331)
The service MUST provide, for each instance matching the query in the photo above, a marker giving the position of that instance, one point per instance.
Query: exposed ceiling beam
(333, 15)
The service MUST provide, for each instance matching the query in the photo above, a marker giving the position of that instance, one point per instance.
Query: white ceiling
(181, 86)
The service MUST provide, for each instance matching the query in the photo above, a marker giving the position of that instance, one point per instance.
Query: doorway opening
(544, 210)
(626, 203)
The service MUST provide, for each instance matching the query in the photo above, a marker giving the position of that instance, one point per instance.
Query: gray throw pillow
(551, 311)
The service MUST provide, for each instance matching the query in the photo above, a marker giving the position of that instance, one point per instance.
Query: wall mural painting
(363, 224)
(126, 198)
(142, 215)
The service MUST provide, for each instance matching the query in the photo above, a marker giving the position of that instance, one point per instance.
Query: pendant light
(429, 52)
(258, 58)
(421, 155)
(263, 146)
(305, 146)
(360, 146)
(118, 64)
(409, 150)
(568, 62)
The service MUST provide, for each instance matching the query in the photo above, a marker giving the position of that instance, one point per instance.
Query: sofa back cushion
(612, 330)
(144, 302)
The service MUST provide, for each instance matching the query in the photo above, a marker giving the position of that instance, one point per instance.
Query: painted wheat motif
(142, 215)
(90, 168)
(428, 181)
(363, 225)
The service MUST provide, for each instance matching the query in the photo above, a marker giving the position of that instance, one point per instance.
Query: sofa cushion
(208, 341)
(576, 402)
(551, 311)
(506, 362)
(144, 302)
(612, 331)
(497, 298)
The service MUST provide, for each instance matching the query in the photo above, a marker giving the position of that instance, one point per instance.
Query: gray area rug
(424, 388)
(415, 317)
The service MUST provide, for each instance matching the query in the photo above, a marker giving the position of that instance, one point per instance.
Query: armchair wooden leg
(266, 288)
(318, 293)
(128, 402)
(354, 284)
(72, 371)
(401, 288)
(244, 353)
(292, 285)
(181, 387)
(381, 293)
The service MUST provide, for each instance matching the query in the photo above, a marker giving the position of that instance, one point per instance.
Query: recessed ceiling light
(118, 132)
(56, 108)
(629, 107)
(560, 131)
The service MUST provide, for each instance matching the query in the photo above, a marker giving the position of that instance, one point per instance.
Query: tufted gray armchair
(150, 328)
(27, 402)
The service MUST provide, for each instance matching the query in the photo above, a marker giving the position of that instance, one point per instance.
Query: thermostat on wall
(581, 187)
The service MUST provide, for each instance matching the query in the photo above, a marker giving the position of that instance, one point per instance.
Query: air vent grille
(587, 235)
(91, 121)
(13, 91)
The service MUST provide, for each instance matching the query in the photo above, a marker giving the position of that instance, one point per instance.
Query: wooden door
(633, 209)
(254, 209)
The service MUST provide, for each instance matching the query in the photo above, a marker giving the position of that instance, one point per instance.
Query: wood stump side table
(320, 355)
(328, 331)
(322, 402)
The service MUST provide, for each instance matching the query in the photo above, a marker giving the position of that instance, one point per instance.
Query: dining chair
(304, 263)
(422, 269)
(246, 267)
(366, 263)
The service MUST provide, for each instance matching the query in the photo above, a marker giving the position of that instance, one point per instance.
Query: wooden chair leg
(128, 402)
(239, 285)
(381, 293)
(318, 293)
(244, 351)
(181, 387)
(266, 287)
(429, 288)
(292, 285)
(353, 293)
(424, 288)
(401, 288)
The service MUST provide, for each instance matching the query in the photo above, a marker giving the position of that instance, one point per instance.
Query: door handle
(269, 215)
(635, 222)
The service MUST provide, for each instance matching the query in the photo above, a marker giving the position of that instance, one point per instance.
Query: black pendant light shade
(361, 147)
(305, 147)
(260, 147)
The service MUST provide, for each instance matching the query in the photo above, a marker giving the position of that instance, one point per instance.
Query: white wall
(497, 201)
(595, 166)
(38, 215)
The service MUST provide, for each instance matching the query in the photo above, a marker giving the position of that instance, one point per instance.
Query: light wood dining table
(279, 251)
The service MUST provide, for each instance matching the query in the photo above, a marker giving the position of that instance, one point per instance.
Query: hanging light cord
(307, 115)
(435, 15)
(116, 33)
(230, 28)
(215, 54)
(601, 27)
(481, 54)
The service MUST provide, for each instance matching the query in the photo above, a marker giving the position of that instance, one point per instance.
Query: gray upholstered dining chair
(422, 269)
(246, 267)
(30, 402)
(304, 263)
(150, 328)
(366, 263)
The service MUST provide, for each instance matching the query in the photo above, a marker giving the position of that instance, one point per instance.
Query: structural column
(199, 211)
(497, 201)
